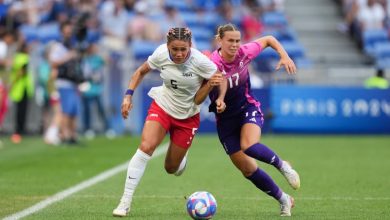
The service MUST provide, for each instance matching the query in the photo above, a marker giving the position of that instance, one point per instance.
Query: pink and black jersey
(238, 94)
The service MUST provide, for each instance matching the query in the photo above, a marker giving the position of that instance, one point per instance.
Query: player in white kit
(174, 109)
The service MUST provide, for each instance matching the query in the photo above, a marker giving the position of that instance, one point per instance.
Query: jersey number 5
(233, 80)
(173, 84)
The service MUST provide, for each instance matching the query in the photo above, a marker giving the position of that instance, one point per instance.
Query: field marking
(268, 198)
(346, 198)
(83, 185)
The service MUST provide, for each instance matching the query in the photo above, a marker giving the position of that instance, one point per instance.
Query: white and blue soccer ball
(201, 205)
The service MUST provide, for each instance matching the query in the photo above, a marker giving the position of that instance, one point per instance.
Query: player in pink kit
(174, 109)
(239, 125)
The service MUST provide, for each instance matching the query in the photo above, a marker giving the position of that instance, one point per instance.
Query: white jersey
(180, 81)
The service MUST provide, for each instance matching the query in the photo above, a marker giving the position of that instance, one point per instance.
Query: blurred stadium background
(337, 45)
(334, 56)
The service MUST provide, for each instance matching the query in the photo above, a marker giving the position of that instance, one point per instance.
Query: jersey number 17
(233, 80)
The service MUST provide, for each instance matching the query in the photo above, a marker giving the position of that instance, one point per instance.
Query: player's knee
(147, 147)
(247, 170)
(245, 144)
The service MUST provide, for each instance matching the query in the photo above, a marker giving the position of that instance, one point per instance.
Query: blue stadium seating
(382, 50)
(382, 55)
(48, 32)
(179, 5)
(274, 19)
(203, 45)
(294, 49)
(143, 49)
(371, 37)
(202, 34)
(29, 32)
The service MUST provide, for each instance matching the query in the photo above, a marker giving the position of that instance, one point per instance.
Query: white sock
(51, 135)
(135, 171)
(284, 198)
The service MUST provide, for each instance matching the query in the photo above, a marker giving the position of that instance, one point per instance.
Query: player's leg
(182, 134)
(152, 135)
(262, 180)
(250, 133)
(175, 159)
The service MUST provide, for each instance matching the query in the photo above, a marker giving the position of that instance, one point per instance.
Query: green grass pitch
(342, 177)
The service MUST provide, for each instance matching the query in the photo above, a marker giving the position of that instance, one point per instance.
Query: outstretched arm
(206, 88)
(285, 60)
(135, 80)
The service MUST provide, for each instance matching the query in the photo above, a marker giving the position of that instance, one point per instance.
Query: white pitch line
(252, 198)
(83, 185)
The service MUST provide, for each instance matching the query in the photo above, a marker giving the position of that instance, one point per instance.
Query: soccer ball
(201, 205)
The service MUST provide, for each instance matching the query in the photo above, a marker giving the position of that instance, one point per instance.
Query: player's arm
(285, 60)
(135, 80)
(207, 86)
(220, 103)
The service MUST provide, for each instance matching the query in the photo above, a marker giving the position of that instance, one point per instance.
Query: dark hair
(183, 34)
(380, 73)
(65, 24)
(223, 28)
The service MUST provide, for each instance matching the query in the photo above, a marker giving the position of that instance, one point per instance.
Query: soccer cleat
(123, 208)
(182, 166)
(291, 175)
(285, 208)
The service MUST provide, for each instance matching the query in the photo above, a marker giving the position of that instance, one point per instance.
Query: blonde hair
(223, 28)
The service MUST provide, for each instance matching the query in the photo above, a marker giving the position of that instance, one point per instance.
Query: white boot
(291, 175)
(286, 205)
(123, 208)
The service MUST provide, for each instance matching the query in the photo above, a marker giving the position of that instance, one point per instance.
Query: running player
(239, 125)
(174, 109)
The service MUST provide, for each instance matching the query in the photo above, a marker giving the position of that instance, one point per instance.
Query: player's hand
(288, 64)
(127, 105)
(215, 80)
(221, 106)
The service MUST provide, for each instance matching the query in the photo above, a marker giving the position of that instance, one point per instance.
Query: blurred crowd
(368, 24)
(65, 56)
(364, 15)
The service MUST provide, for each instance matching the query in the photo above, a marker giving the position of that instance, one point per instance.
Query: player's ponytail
(183, 34)
(223, 28)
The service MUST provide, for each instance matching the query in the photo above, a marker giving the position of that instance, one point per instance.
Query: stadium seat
(382, 55)
(294, 49)
(383, 63)
(371, 37)
(29, 32)
(49, 32)
(284, 34)
(382, 50)
(265, 61)
(203, 45)
(200, 19)
(274, 19)
(201, 33)
(143, 49)
(179, 5)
